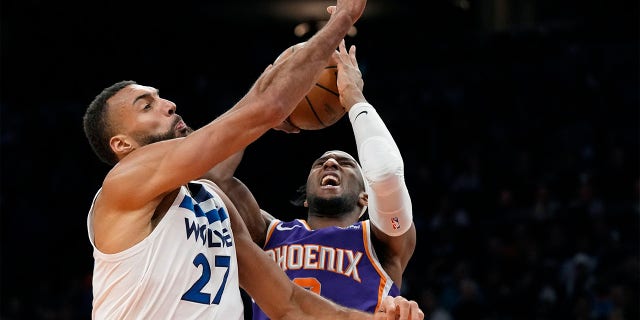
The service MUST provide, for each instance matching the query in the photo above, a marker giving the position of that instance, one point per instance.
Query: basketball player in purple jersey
(354, 263)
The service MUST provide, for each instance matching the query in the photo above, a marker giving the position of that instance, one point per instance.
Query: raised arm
(270, 100)
(389, 203)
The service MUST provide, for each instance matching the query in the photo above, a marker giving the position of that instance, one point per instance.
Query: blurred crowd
(526, 185)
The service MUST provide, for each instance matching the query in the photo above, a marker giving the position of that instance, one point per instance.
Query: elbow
(380, 160)
(384, 175)
(385, 179)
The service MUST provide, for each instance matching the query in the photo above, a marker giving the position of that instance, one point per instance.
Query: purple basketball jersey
(338, 263)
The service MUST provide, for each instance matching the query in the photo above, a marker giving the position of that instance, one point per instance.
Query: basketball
(321, 106)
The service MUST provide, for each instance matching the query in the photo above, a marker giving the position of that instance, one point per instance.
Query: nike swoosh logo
(361, 112)
(282, 228)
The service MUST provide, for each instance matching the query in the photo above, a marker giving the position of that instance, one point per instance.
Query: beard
(170, 134)
(332, 207)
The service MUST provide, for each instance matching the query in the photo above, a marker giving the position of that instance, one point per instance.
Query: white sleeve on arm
(382, 166)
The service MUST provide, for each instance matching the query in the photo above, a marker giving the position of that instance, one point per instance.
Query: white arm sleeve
(383, 169)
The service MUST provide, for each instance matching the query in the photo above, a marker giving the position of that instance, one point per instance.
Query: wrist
(351, 100)
(358, 108)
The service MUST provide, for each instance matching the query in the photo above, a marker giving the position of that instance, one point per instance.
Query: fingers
(387, 308)
(408, 309)
(287, 127)
(347, 56)
(399, 308)
(352, 55)
(341, 51)
(403, 306)
(416, 312)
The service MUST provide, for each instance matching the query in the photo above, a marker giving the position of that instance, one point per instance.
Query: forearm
(383, 169)
(316, 307)
(278, 296)
(289, 81)
(248, 208)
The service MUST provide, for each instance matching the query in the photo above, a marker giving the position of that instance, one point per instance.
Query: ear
(364, 199)
(121, 145)
(306, 204)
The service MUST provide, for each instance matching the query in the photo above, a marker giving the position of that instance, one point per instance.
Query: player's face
(334, 184)
(142, 114)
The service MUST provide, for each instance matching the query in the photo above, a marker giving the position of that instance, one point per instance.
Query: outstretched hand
(398, 308)
(349, 80)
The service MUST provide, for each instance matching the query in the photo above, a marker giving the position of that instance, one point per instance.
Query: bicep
(130, 186)
(143, 175)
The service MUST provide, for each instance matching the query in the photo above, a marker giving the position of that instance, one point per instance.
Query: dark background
(517, 121)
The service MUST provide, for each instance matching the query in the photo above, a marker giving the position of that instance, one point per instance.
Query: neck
(319, 221)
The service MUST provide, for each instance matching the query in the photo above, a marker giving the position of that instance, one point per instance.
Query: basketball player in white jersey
(170, 246)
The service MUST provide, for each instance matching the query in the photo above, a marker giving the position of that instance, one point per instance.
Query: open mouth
(180, 126)
(181, 129)
(330, 180)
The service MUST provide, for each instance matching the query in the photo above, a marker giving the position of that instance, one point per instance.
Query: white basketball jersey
(185, 269)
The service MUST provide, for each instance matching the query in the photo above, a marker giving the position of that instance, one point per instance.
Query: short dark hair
(96, 123)
(301, 198)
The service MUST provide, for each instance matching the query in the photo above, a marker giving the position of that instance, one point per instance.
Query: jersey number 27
(195, 294)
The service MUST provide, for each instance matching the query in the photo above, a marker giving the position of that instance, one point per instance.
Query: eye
(146, 107)
(319, 162)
